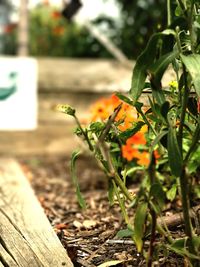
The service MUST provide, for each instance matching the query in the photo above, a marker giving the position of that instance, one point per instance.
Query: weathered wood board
(26, 236)
(47, 139)
(87, 75)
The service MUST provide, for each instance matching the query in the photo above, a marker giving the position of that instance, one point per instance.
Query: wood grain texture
(87, 75)
(26, 236)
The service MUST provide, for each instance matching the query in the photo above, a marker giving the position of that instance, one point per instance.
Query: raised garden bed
(90, 236)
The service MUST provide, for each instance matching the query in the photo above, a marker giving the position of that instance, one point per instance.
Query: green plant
(51, 35)
(161, 143)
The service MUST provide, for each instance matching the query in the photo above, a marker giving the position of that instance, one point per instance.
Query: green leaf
(125, 233)
(157, 70)
(159, 67)
(131, 131)
(139, 225)
(192, 105)
(164, 109)
(171, 193)
(80, 198)
(159, 95)
(124, 98)
(140, 70)
(157, 140)
(158, 195)
(97, 127)
(174, 154)
(192, 63)
(179, 246)
(179, 243)
(143, 64)
(196, 242)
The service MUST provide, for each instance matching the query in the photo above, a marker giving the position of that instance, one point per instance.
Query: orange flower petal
(143, 158)
(137, 139)
(128, 152)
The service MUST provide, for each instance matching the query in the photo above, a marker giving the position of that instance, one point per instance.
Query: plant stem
(186, 208)
(152, 178)
(185, 202)
(145, 120)
(190, 26)
(84, 133)
(121, 185)
(109, 123)
(181, 5)
(168, 13)
(152, 238)
(183, 111)
(195, 141)
(121, 204)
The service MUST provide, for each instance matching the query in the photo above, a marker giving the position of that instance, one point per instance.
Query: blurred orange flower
(56, 14)
(100, 110)
(127, 115)
(9, 28)
(104, 107)
(129, 153)
(143, 158)
(137, 139)
(59, 30)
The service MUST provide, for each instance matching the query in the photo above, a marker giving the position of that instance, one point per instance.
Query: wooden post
(23, 29)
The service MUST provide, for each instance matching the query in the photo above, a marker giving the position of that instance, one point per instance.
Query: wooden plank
(82, 75)
(52, 138)
(26, 236)
(87, 75)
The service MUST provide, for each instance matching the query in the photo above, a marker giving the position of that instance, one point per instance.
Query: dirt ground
(89, 236)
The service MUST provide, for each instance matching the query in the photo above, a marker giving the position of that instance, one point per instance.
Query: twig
(177, 218)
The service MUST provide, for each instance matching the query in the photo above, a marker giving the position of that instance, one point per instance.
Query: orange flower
(46, 2)
(126, 124)
(143, 158)
(156, 154)
(137, 139)
(115, 101)
(129, 153)
(100, 110)
(59, 30)
(104, 107)
(9, 28)
(56, 14)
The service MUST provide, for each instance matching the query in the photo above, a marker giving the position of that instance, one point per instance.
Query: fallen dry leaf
(88, 224)
(61, 226)
(110, 263)
(77, 224)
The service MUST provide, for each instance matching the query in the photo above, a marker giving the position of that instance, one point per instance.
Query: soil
(89, 236)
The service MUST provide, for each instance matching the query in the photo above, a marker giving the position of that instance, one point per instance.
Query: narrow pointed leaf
(80, 198)
(192, 63)
(139, 225)
(174, 155)
(143, 64)
(159, 67)
(131, 131)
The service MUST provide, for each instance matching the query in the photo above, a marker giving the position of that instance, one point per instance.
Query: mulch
(89, 236)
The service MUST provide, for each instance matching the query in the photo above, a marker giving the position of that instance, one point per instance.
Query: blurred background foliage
(50, 34)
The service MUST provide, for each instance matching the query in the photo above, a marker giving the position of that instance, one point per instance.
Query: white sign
(18, 93)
